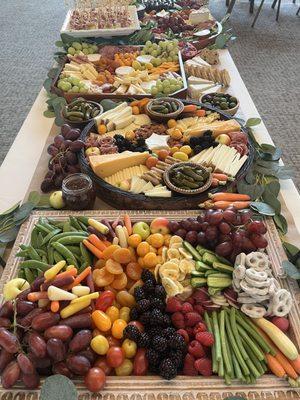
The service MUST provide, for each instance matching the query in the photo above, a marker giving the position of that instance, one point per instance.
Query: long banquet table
(26, 162)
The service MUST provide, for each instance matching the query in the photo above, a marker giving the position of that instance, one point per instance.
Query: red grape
(65, 129)
(37, 344)
(211, 233)
(224, 227)
(79, 365)
(229, 216)
(58, 140)
(201, 239)
(95, 379)
(56, 349)
(215, 218)
(247, 245)
(237, 238)
(10, 375)
(181, 233)
(224, 249)
(204, 226)
(258, 240)
(257, 227)
(245, 216)
(52, 150)
(9, 341)
(191, 237)
(25, 364)
(80, 341)
(174, 226)
(31, 381)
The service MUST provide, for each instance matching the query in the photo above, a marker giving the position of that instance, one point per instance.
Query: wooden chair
(297, 13)
(273, 6)
(230, 5)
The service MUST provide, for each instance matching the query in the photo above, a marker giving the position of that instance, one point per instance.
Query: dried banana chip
(164, 254)
(185, 254)
(174, 261)
(175, 246)
(173, 253)
(156, 271)
(186, 266)
(181, 276)
(187, 292)
(175, 239)
(169, 273)
(180, 287)
(170, 287)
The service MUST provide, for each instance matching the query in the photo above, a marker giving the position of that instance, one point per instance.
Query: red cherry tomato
(105, 300)
(140, 363)
(115, 356)
(95, 379)
(112, 341)
(101, 363)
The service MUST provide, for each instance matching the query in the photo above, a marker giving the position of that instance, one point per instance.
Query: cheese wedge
(194, 80)
(104, 167)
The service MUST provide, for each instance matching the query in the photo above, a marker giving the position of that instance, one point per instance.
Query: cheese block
(217, 127)
(195, 91)
(194, 80)
(104, 167)
(212, 89)
(198, 16)
(104, 118)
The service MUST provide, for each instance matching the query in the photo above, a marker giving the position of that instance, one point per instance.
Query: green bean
(251, 344)
(70, 240)
(65, 253)
(252, 368)
(213, 350)
(33, 264)
(30, 277)
(57, 257)
(65, 234)
(50, 235)
(45, 259)
(40, 240)
(83, 266)
(217, 336)
(221, 367)
(236, 334)
(67, 226)
(50, 252)
(74, 223)
(223, 337)
(33, 254)
(227, 379)
(253, 358)
(237, 368)
(42, 229)
(34, 237)
(252, 330)
(86, 256)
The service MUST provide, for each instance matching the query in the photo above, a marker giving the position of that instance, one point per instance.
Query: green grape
(158, 51)
(154, 53)
(84, 45)
(71, 50)
(77, 46)
(172, 53)
(77, 51)
(170, 58)
(163, 59)
(86, 51)
(169, 47)
(175, 58)
(167, 90)
(75, 89)
(166, 83)
(95, 48)
(148, 43)
(158, 61)
(75, 81)
(90, 51)
(172, 88)
(83, 89)
(154, 46)
(159, 87)
(143, 52)
(66, 86)
(163, 45)
(154, 91)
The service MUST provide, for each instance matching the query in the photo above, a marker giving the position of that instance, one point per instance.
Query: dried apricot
(134, 271)
(109, 251)
(141, 261)
(134, 240)
(143, 248)
(150, 260)
(133, 256)
(122, 256)
(102, 277)
(100, 263)
(113, 267)
(156, 240)
(120, 281)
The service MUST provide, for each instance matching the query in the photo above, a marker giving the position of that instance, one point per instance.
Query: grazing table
(26, 162)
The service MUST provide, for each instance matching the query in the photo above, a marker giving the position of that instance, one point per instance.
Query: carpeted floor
(268, 58)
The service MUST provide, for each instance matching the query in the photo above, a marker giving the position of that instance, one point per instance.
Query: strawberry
(186, 307)
(195, 349)
(173, 305)
(184, 334)
(199, 309)
(200, 327)
(192, 318)
(178, 320)
(281, 322)
(188, 366)
(205, 338)
(203, 366)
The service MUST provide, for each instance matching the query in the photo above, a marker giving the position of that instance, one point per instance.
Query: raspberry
(200, 327)
(199, 309)
(178, 320)
(184, 334)
(188, 366)
(205, 338)
(282, 323)
(200, 295)
(190, 332)
(173, 305)
(186, 307)
(192, 318)
(195, 349)
(203, 366)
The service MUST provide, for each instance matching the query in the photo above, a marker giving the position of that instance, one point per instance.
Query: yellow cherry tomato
(100, 344)
(129, 347)
(118, 327)
(101, 320)
(113, 313)
(125, 369)
(125, 314)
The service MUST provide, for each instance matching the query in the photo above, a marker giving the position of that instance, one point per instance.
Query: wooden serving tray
(183, 387)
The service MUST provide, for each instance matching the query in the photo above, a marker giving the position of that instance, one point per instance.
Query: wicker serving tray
(152, 387)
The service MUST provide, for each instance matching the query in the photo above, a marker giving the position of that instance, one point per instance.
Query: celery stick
(213, 349)
(236, 335)
(217, 336)
(253, 358)
(250, 343)
(227, 364)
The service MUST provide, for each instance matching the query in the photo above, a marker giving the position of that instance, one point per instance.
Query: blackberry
(145, 318)
(176, 342)
(143, 305)
(148, 287)
(160, 292)
(157, 317)
(158, 303)
(169, 331)
(131, 332)
(159, 343)
(177, 357)
(167, 369)
(144, 340)
(154, 331)
(147, 276)
(166, 321)
(134, 314)
(139, 293)
(152, 357)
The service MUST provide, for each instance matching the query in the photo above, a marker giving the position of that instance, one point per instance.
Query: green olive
(224, 106)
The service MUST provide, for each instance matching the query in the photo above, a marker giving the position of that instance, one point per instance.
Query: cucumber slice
(192, 250)
(198, 282)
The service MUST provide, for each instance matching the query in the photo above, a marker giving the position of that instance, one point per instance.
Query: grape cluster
(71, 84)
(85, 48)
(64, 160)
(176, 22)
(227, 232)
(124, 144)
(199, 143)
(42, 344)
(162, 51)
(158, 5)
(166, 86)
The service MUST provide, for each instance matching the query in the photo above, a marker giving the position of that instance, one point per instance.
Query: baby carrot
(54, 306)
(200, 113)
(128, 224)
(275, 366)
(93, 249)
(35, 296)
(286, 364)
(239, 205)
(70, 272)
(97, 242)
(229, 197)
(220, 177)
(107, 243)
(80, 277)
(296, 364)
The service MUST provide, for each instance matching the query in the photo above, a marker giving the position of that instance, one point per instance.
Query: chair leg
(294, 1)
(251, 6)
(257, 13)
(278, 10)
(227, 3)
(297, 13)
(231, 5)
(274, 4)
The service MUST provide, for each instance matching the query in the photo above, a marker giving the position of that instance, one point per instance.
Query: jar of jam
(78, 192)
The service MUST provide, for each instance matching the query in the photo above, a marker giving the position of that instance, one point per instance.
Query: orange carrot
(128, 224)
(275, 366)
(239, 205)
(107, 243)
(134, 103)
(97, 242)
(35, 296)
(80, 277)
(286, 364)
(69, 272)
(220, 177)
(214, 182)
(190, 108)
(54, 306)
(296, 364)
(200, 113)
(143, 102)
(93, 249)
(229, 197)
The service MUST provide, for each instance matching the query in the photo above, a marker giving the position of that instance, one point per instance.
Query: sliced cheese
(161, 193)
(195, 80)
(212, 89)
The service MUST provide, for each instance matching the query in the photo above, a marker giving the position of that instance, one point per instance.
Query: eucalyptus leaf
(272, 157)
(221, 41)
(59, 43)
(252, 122)
(52, 72)
(58, 387)
(23, 211)
(268, 148)
(11, 209)
(47, 84)
(292, 250)
(274, 187)
(250, 178)
(265, 171)
(285, 173)
(254, 191)
(262, 208)
(268, 164)
(290, 269)
(48, 114)
(34, 198)
(44, 200)
(272, 200)
(9, 235)
(281, 223)
(59, 121)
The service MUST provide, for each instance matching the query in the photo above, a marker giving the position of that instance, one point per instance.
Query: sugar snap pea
(33, 264)
(40, 239)
(42, 229)
(57, 257)
(34, 237)
(70, 240)
(65, 253)
(50, 235)
(22, 253)
(50, 252)
(65, 234)
(30, 276)
(45, 259)
(21, 274)
(74, 249)
(86, 256)
(33, 253)
(74, 223)
(67, 226)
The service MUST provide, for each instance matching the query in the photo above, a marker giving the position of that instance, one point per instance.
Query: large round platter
(125, 200)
